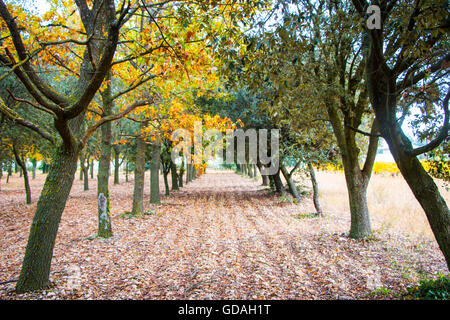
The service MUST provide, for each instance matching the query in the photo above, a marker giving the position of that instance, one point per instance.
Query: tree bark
(173, 171)
(91, 169)
(265, 178)
(9, 172)
(23, 166)
(139, 178)
(84, 170)
(315, 186)
(357, 179)
(116, 165)
(104, 219)
(292, 187)
(69, 123)
(86, 179)
(383, 93)
(33, 172)
(188, 172)
(154, 175)
(41, 241)
(166, 184)
(277, 183)
(180, 175)
(250, 170)
(427, 193)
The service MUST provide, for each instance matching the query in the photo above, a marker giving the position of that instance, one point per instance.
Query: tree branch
(112, 117)
(48, 92)
(132, 87)
(12, 115)
(444, 63)
(443, 133)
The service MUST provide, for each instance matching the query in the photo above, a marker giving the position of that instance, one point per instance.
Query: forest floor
(222, 236)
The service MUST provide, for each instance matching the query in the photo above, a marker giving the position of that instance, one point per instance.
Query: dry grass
(392, 205)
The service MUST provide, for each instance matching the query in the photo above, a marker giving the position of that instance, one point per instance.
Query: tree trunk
(139, 178)
(188, 172)
(86, 179)
(116, 166)
(315, 186)
(427, 193)
(44, 167)
(381, 83)
(104, 219)
(292, 187)
(126, 171)
(173, 171)
(23, 166)
(84, 171)
(166, 184)
(9, 172)
(265, 180)
(277, 183)
(37, 261)
(180, 175)
(356, 179)
(36, 264)
(33, 172)
(357, 193)
(91, 169)
(154, 176)
(250, 170)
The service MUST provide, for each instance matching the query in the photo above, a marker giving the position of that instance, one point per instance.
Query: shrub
(437, 289)
(385, 167)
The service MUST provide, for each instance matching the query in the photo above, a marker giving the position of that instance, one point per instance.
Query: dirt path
(220, 237)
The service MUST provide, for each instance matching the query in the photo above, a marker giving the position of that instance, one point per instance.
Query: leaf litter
(222, 236)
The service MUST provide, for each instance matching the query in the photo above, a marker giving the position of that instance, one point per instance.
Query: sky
(37, 6)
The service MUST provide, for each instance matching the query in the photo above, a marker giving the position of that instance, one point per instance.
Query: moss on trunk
(38, 254)
(154, 174)
(139, 178)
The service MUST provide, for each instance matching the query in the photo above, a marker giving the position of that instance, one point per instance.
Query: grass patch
(301, 216)
(129, 215)
(382, 293)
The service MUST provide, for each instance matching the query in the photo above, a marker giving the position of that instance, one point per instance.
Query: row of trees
(335, 87)
(84, 64)
(153, 67)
